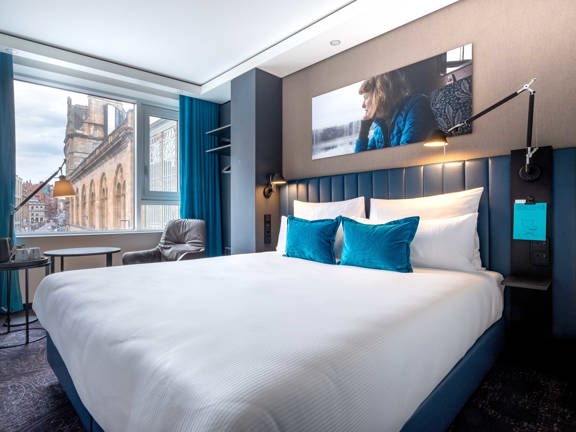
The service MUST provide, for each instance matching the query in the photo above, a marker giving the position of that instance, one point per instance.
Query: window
(457, 57)
(159, 200)
(96, 136)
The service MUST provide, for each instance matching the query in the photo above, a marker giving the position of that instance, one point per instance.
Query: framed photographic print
(395, 108)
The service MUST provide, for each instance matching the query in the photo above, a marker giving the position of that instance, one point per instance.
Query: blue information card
(529, 221)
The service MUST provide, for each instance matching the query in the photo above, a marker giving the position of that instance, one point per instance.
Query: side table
(530, 311)
(9, 267)
(83, 251)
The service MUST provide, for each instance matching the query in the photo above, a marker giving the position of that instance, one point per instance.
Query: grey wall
(256, 114)
(513, 41)
(225, 183)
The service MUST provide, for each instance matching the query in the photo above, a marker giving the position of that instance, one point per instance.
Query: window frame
(143, 109)
(148, 196)
(144, 196)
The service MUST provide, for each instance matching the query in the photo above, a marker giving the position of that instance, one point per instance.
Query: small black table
(9, 267)
(76, 252)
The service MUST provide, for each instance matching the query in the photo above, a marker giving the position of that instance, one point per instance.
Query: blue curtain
(7, 172)
(200, 171)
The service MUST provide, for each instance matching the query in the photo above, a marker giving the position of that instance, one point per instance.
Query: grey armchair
(182, 239)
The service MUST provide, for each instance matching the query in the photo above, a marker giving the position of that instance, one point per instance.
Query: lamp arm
(530, 119)
(525, 175)
(38, 189)
(525, 87)
(28, 198)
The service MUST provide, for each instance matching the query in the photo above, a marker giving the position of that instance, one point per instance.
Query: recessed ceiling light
(335, 42)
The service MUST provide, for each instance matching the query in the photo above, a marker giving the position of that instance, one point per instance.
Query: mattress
(261, 342)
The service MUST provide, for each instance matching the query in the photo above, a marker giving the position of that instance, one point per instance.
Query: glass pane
(96, 137)
(155, 216)
(163, 158)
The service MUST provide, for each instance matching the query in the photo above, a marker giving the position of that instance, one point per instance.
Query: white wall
(125, 241)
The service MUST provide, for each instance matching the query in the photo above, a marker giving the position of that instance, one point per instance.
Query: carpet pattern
(538, 395)
(31, 399)
(516, 398)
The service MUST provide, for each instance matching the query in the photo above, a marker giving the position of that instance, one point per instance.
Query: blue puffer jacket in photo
(412, 123)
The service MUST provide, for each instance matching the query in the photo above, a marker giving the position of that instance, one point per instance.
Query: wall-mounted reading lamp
(273, 179)
(529, 172)
(62, 189)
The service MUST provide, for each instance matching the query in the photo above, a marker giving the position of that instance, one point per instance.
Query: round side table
(81, 251)
(9, 267)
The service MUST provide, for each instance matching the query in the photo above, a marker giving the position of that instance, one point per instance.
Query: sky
(40, 129)
(337, 107)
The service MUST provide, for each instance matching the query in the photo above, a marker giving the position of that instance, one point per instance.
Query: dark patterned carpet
(532, 388)
(528, 390)
(31, 400)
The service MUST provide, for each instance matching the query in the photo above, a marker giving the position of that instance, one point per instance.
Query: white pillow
(352, 208)
(446, 243)
(281, 245)
(431, 207)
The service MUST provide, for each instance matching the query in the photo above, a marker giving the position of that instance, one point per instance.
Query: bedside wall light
(273, 179)
(529, 172)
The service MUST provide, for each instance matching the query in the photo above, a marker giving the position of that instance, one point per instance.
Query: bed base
(63, 376)
(442, 405)
(434, 414)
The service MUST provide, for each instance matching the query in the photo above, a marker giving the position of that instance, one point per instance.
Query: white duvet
(261, 342)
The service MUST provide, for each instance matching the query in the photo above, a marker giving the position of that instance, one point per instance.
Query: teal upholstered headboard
(494, 223)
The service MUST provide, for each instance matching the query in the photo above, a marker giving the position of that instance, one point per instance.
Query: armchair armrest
(141, 257)
(200, 253)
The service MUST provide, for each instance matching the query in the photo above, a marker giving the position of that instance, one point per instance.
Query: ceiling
(196, 47)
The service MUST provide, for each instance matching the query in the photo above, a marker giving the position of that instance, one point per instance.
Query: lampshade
(63, 188)
(277, 179)
(436, 139)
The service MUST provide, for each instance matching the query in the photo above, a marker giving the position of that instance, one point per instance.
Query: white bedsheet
(261, 342)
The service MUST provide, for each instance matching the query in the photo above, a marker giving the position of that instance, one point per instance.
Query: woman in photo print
(398, 116)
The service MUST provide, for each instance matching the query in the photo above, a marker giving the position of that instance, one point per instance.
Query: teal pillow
(312, 239)
(385, 246)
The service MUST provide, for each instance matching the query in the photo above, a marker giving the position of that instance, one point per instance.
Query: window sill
(85, 234)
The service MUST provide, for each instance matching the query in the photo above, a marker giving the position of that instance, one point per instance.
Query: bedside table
(10, 267)
(530, 306)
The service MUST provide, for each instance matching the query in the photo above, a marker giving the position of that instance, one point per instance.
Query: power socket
(540, 253)
(267, 229)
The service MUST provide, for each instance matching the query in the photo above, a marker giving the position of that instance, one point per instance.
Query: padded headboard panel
(495, 218)
(491, 173)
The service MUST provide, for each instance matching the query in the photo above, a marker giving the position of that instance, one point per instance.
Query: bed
(149, 353)
(265, 342)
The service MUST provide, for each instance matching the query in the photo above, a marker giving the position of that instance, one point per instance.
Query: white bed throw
(261, 342)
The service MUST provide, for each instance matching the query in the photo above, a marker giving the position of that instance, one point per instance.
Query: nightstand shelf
(540, 284)
(530, 308)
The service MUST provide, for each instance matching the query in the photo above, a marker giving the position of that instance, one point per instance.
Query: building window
(103, 208)
(96, 136)
(83, 214)
(119, 198)
(92, 209)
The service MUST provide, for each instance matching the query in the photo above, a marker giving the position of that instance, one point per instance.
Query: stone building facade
(99, 149)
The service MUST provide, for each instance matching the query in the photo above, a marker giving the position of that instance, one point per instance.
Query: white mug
(34, 253)
(21, 255)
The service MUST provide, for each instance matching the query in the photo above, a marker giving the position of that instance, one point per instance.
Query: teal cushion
(312, 239)
(385, 246)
